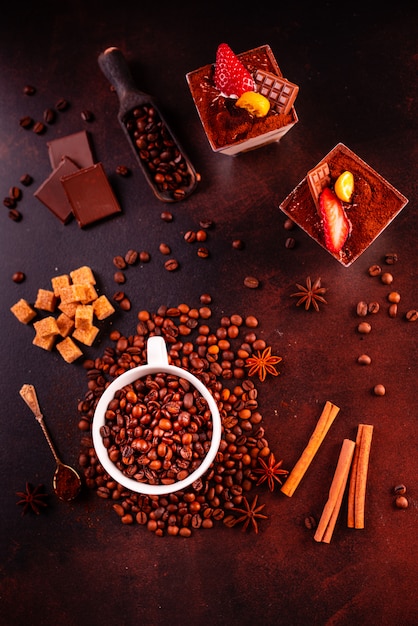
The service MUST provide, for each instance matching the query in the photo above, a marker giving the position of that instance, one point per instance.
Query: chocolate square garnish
(76, 146)
(51, 192)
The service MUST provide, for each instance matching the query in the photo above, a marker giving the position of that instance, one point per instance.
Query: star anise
(32, 499)
(250, 514)
(270, 471)
(310, 294)
(263, 364)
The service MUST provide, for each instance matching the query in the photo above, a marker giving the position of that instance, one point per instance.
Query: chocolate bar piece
(318, 178)
(51, 192)
(76, 146)
(90, 195)
(280, 92)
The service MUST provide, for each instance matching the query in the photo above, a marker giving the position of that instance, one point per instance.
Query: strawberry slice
(231, 77)
(335, 223)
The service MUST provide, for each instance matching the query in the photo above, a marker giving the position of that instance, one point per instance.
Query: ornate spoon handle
(28, 393)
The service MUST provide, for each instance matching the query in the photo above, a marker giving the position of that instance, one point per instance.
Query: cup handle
(157, 351)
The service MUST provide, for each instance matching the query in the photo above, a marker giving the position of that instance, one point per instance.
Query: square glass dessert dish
(343, 204)
(231, 129)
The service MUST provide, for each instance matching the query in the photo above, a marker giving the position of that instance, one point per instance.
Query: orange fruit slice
(344, 186)
(254, 103)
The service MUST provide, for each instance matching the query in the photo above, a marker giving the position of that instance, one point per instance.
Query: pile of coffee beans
(216, 355)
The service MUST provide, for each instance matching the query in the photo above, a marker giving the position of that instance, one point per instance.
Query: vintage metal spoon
(66, 481)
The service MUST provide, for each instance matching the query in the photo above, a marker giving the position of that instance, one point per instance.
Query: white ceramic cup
(157, 361)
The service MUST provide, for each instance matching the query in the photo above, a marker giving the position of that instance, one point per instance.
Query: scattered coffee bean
(290, 243)
(364, 328)
(203, 253)
(190, 236)
(15, 215)
(39, 128)
(393, 310)
(401, 502)
(26, 180)
(9, 202)
(362, 308)
(251, 321)
(205, 298)
(394, 296)
(171, 265)
(201, 235)
(238, 244)
(288, 224)
(26, 122)
(251, 282)
(125, 304)
(373, 308)
(412, 315)
(391, 258)
(386, 278)
(379, 390)
(87, 116)
(144, 256)
(166, 216)
(18, 277)
(119, 262)
(49, 116)
(122, 170)
(375, 270)
(164, 248)
(206, 223)
(119, 277)
(310, 522)
(118, 296)
(364, 359)
(131, 257)
(15, 193)
(399, 490)
(62, 104)
(29, 90)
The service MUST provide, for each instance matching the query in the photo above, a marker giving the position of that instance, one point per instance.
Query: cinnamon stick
(332, 507)
(358, 479)
(329, 413)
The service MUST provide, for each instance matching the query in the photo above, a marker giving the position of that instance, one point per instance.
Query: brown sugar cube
(45, 342)
(65, 324)
(79, 291)
(90, 294)
(318, 178)
(102, 308)
(83, 275)
(23, 311)
(45, 300)
(86, 336)
(69, 351)
(69, 308)
(46, 327)
(67, 295)
(60, 282)
(84, 316)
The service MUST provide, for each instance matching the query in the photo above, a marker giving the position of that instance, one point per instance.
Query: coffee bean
(119, 277)
(9, 202)
(393, 310)
(412, 315)
(206, 223)
(362, 308)
(399, 490)
(238, 244)
(394, 296)
(190, 236)
(251, 282)
(391, 258)
(125, 304)
(29, 90)
(201, 235)
(373, 308)
(26, 122)
(122, 170)
(375, 270)
(164, 248)
(131, 257)
(49, 116)
(26, 180)
(203, 253)
(87, 116)
(15, 215)
(364, 328)
(310, 522)
(62, 104)
(119, 262)
(364, 359)
(144, 256)
(118, 296)
(386, 278)
(171, 265)
(18, 277)
(288, 224)
(166, 216)
(290, 243)
(39, 128)
(15, 193)
(401, 502)
(379, 390)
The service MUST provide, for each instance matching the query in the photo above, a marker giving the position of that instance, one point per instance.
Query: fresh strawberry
(231, 77)
(335, 222)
